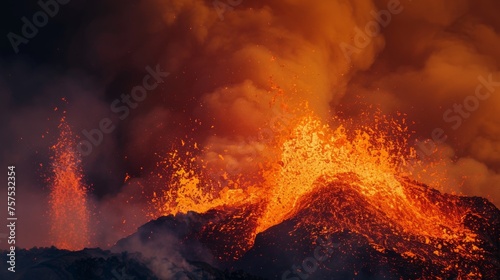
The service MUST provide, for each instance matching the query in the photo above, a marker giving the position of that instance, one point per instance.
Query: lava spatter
(69, 214)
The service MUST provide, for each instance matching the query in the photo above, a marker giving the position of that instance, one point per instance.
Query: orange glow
(68, 198)
(309, 156)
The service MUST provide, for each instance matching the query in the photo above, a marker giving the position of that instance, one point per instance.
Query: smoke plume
(230, 77)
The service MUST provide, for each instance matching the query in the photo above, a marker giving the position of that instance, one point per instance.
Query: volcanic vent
(328, 184)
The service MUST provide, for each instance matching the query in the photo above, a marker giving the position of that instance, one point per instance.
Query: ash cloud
(433, 57)
(424, 61)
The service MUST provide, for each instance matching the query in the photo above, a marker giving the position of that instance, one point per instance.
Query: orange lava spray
(69, 213)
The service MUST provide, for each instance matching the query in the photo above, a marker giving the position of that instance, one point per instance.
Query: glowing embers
(69, 213)
(314, 150)
(374, 153)
(365, 158)
(190, 186)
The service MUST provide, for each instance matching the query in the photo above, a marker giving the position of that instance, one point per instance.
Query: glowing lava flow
(307, 151)
(314, 150)
(190, 189)
(368, 158)
(68, 198)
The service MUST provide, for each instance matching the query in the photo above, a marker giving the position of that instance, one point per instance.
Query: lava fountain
(302, 156)
(69, 213)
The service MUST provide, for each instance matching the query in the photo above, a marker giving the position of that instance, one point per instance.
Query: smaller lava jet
(69, 213)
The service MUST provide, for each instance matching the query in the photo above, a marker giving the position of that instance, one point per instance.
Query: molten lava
(69, 213)
(308, 157)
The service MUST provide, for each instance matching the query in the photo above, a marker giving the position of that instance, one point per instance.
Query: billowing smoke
(228, 64)
(439, 65)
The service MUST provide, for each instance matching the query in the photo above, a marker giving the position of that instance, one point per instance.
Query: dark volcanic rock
(52, 263)
(90, 264)
(365, 245)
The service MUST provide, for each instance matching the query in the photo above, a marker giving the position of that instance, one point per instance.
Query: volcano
(326, 203)
(335, 232)
(284, 139)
